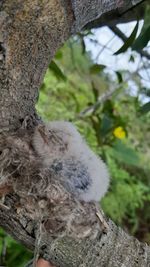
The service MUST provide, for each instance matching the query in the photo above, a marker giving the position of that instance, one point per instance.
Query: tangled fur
(72, 162)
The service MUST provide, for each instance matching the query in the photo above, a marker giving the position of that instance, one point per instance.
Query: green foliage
(128, 43)
(110, 122)
(126, 196)
(119, 76)
(144, 36)
(125, 154)
(57, 71)
(96, 68)
(145, 108)
(12, 253)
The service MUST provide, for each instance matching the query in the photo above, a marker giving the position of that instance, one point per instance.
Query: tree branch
(112, 18)
(80, 247)
(36, 209)
(87, 11)
(30, 33)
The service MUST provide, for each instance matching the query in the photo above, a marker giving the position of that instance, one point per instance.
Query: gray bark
(87, 11)
(135, 13)
(36, 210)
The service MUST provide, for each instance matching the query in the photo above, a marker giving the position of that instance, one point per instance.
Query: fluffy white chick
(65, 153)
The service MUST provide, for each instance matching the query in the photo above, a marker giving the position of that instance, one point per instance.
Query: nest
(41, 197)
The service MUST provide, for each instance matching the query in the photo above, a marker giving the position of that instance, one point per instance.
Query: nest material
(40, 196)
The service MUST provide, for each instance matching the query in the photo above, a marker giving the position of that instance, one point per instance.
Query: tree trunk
(36, 210)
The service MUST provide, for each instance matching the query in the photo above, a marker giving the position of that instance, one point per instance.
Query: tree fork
(36, 210)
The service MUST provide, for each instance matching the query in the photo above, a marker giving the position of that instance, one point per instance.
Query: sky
(107, 43)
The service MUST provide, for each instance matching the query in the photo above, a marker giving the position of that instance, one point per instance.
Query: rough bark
(135, 13)
(36, 210)
(28, 40)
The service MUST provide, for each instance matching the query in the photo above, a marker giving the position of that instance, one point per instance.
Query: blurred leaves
(144, 36)
(145, 108)
(15, 254)
(57, 71)
(126, 196)
(128, 43)
(96, 68)
(106, 125)
(125, 154)
(142, 40)
(119, 76)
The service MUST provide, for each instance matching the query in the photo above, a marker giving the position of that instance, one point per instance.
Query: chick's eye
(83, 185)
(57, 166)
